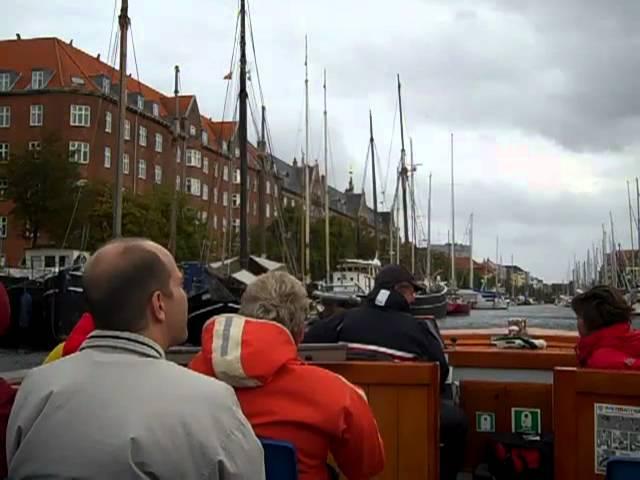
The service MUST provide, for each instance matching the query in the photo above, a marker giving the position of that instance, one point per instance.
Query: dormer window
(192, 130)
(156, 110)
(77, 81)
(140, 102)
(225, 147)
(106, 85)
(205, 138)
(37, 79)
(5, 82)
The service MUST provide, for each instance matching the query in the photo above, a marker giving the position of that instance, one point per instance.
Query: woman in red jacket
(607, 340)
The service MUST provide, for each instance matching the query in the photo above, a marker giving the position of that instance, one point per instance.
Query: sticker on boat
(485, 422)
(616, 432)
(526, 420)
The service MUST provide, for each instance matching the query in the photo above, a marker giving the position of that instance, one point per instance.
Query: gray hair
(279, 297)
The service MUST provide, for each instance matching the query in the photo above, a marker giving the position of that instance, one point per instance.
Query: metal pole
(631, 229)
(429, 231)
(605, 273)
(413, 210)
(453, 225)
(403, 168)
(471, 252)
(307, 195)
(375, 187)
(326, 188)
(262, 175)
(173, 221)
(123, 20)
(242, 139)
(614, 260)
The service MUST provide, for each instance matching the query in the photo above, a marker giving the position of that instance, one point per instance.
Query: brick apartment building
(50, 85)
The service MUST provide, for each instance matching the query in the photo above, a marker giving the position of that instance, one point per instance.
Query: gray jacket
(118, 409)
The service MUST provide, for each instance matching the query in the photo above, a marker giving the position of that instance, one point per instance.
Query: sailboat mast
(375, 187)
(326, 186)
(513, 285)
(605, 273)
(614, 260)
(633, 255)
(403, 167)
(242, 139)
(173, 220)
(262, 175)
(497, 263)
(638, 224)
(471, 252)
(413, 210)
(123, 21)
(307, 196)
(429, 231)
(453, 225)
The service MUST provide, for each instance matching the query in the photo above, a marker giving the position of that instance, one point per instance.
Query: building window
(158, 172)
(255, 184)
(107, 157)
(34, 145)
(37, 114)
(215, 222)
(79, 152)
(158, 142)
(225, 199)
(215, 195)
(275, 190)
(179, 156)
(194, 158)
(205, 191)
(235, 200)
(237, 152)
(37, 79)
(192, 130)
(125, 163)
(5, 117)
(127, 130)
(3, 227)
(178, 182)
(80, 115)
(192, 186)
(203, 216)
(286, 201)
(293, 202)
(225, 173)
(225, 147)
(106, 85)
(5, 82)
(268, 210)
(205, 165)
(236, 224)
(142, 169)
(236, 176)
(205, 138)
(4, 152)
(107, 122)
(215, 170)
(140, 102)
(224, 224)
(4, 184)
(255, 208)
(142, 133)
(268, 187)
(156, 110)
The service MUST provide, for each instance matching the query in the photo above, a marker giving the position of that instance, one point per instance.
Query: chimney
(71, 42)
(98, 57)
(18, 37)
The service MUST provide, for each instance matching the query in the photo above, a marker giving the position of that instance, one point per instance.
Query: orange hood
(244, 352)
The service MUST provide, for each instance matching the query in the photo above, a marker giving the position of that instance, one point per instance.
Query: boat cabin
(42, 262)
(361, 273)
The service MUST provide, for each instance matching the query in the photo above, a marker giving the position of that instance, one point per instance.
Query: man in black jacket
(385, 320)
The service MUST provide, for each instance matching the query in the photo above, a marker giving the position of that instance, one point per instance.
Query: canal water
(538, 316)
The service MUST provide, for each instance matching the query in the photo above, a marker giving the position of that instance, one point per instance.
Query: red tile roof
(67, 61)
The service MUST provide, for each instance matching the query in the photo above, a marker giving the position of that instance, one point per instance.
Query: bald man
(117, 408)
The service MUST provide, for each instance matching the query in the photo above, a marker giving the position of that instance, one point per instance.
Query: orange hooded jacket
(285, 399)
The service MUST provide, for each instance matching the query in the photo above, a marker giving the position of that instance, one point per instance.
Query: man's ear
(157, 306)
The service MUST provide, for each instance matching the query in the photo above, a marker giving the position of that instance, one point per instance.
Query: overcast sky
(539, 94)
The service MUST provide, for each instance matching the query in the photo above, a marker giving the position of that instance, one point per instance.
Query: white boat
(352, 273)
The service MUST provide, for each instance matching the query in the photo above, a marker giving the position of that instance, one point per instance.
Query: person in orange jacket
(284, 398)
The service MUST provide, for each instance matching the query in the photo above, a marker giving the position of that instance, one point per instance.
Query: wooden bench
(581, 398)
(405, 399)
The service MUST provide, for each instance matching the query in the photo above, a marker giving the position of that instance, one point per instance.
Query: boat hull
(430, 304)
(457, 308)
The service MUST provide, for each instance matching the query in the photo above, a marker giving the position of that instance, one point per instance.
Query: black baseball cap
(392, 275)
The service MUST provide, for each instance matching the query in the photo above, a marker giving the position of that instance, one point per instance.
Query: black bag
(513, 456)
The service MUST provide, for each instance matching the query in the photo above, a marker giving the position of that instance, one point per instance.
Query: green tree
(39, 185)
